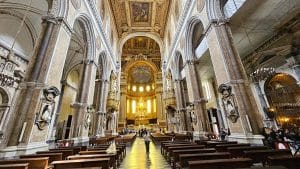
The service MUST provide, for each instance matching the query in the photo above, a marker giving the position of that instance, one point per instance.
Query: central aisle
(137, 158)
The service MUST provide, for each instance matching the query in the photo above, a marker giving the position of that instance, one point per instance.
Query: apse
(141, 62)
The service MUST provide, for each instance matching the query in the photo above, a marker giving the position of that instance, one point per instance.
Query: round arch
(4, 96)
(283, 95)
(153, 36)
(151, 64)
(194, 36)
(215, 9)
(90, 35)
(177, 64)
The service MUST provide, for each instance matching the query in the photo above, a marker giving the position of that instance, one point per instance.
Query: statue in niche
(44, 117)
(88, 116)
(229, 103)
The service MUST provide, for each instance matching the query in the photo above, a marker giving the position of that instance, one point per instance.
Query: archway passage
(283, 94)
(141, 83)
(72, 81)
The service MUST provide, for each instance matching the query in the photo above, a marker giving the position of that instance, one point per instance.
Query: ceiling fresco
(141, 74)
(140, 15)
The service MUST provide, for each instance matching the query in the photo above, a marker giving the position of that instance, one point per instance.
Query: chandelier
(262, 74)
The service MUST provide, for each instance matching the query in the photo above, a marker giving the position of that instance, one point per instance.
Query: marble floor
(137, 158)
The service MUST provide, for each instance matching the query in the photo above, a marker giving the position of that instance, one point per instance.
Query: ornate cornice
(93, 11)
(180, 25)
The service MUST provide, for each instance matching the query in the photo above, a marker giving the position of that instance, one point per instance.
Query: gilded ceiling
(140, 15)
(141, 48)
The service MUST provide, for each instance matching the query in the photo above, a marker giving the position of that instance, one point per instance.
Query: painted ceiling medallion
(76, 3)
(140, 16)
(142, 75)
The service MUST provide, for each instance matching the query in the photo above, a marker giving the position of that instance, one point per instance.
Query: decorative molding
(93, 11)
(180, 25)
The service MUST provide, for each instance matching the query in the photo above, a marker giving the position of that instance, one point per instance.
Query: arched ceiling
(140, 15)
(141, 48)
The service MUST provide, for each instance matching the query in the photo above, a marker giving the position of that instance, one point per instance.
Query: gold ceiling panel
(141, 48)
(140, 15)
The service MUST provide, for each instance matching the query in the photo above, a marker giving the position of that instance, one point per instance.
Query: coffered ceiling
(140, 15)
(141, 48)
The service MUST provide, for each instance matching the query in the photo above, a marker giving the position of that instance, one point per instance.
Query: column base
(81, 141)
(242, 138)
(31, 148)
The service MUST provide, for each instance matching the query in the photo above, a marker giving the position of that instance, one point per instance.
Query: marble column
(23, 130)
(267, 121)
(101, 118)
(78, 129)
(229, 70)
(114, 122)
(180, 103)
(197, 98)
(123, 107)
(159, 106)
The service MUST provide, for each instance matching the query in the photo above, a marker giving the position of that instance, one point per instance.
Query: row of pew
(91, 157)
(157, 138)
(225, 155)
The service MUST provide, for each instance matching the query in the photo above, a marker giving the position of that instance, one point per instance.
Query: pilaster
(31, 90)
(230, 71)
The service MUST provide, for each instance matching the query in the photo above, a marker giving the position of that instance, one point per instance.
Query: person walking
(223, 134)
(147, 141)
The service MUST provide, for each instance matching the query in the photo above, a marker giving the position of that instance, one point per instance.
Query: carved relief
(43, 118)
(229, 103)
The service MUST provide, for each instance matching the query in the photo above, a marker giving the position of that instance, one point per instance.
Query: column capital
(177, 80)
(191, 62)
(52, 19)
(220, 21)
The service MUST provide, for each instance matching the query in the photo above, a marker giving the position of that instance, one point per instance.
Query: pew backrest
(97, 163)
(261, 155)
(34, 163)
(65, 153)
(14, 166)
(184, 158)
(220, 163)
(52, 156)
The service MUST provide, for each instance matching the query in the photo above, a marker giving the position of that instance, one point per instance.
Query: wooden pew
(165, 149)
(261, 155)
(184, 158)
(290, 162)
(34, 163)
(223, 147)
(184, 147)
(170, 144)
(92, 152)
(220, 163)
(112, 162)
(65, 153)
(97, 163)
(74, 149)
(213, 144)
(119, 152)
(52, 156)
(174, 155)
(269, 167)
(239, 151)
(14, 166)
